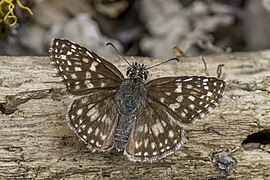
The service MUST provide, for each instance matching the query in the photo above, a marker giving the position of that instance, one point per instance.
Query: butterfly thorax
(131, 96)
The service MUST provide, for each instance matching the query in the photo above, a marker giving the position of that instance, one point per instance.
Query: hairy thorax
(131, 96)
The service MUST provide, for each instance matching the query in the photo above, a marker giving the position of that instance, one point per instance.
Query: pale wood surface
(36, 142)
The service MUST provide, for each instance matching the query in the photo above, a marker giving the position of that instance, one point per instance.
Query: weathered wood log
(36, 142)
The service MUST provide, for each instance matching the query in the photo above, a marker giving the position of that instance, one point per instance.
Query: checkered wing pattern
(93, 119)
(157, 110)
(186, 97)
(82, 70)
(172, 103)
(156, 134)
(93, 116)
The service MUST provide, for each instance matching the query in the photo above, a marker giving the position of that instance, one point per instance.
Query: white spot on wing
(179, 98)
(163, 123)
(89, 54)
(153, 145)
(72, 117)
(145, 128)
(171, 134)
(79, 112)
(87, 75)
(168, 93)
(93, 66)
(78, 68)
(98, 60)
(93, 114)
(183, 114)
(188, 79)
(63, 56)
(89, 130)
(189, 86)
(146, 142)
(162, 99)
(192, 106)
(205, 80)
(192, 98)
(209, 93)
(73, 76)
(166, 141)
(174, 106)
(179, 88)
(100, 76)
(85, 60)
(138, 144)
(157, 128)
(89, 84)
(96, 131)
(162, 150)
(103, 137)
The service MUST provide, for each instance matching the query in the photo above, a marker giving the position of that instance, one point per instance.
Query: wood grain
(36, 142)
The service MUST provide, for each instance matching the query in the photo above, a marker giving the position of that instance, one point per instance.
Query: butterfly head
(137, 71)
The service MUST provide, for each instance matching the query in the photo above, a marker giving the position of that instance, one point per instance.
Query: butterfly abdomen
(130, 99)
(123, 130)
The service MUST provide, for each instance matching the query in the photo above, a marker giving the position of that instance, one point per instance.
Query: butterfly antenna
(172, 59)
(110, 44)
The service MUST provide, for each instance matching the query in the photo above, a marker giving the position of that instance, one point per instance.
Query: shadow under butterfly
(145, 120)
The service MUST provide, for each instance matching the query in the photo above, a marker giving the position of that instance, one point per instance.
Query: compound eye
(144, 76)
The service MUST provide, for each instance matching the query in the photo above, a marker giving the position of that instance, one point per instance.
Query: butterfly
(144, 119)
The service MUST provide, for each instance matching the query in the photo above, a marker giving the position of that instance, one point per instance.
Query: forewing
(186, 97)
(93, 118)
(156, 134)
(82, 70)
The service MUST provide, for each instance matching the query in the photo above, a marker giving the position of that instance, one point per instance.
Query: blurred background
(155, 28)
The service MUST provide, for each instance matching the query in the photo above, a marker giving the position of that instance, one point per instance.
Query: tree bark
(36, 142)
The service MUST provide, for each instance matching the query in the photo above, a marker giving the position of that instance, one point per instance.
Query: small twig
(205, 66)
(219, 70)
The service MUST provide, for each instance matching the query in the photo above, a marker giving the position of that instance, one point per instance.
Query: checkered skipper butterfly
(145, 120)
